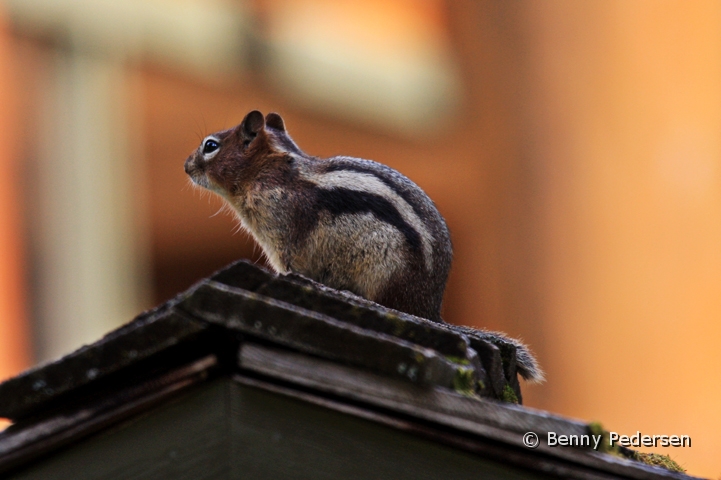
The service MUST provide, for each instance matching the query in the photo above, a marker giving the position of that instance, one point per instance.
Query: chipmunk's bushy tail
(526, 363)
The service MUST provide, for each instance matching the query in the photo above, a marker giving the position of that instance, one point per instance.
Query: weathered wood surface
(149, 335)
(487, 429)
(22, 443)
(448, 339)
(225, 430)
(345, 307)
(485, 419)
(307, 331)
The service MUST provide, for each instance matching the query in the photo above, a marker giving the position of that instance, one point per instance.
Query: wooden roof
(299, 339)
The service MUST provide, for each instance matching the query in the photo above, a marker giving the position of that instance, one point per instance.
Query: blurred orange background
(573, 147)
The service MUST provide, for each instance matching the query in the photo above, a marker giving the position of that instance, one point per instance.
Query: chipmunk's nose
(189, 165)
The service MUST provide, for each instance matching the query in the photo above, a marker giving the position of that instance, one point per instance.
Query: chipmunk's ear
(252, 124)
(273, 120)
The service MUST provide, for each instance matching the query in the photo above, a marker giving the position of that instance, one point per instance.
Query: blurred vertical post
(91, 278)
(14, 335)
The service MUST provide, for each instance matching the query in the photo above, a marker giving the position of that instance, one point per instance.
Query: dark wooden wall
(224, 430)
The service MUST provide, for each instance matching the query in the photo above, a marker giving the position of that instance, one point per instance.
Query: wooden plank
(288, 325)
(344, 306)
(492, 450)
(496, 351)
(185, 439)
(280, 437)
(497, 421)
(21, 443)
(223, 430)
(146, 336)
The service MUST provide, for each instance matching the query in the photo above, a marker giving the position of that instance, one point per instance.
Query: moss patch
(464, 382)
(655, 459)
(458, 360)
(658, 460)
(508, 395)
(604, 446)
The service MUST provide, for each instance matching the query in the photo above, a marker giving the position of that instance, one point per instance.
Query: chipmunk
(348, 223)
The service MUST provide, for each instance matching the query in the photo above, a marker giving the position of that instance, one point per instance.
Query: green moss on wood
(604, 446)
(655, 459)
(508, 395)
(464, 382)
(458, 360)
(399, 325)
(658, 460)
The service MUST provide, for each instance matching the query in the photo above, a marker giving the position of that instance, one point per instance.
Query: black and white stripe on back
(396, 191)
(385, 177)
(342, 201)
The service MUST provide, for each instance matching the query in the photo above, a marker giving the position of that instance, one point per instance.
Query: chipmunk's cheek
(202, 180)
(207, 180)
(196, 172)
(189, 165)
(198, 177)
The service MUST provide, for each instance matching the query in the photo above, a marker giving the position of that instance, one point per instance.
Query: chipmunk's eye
(210, 146)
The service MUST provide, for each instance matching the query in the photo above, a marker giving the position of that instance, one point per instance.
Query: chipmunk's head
(257, 150)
